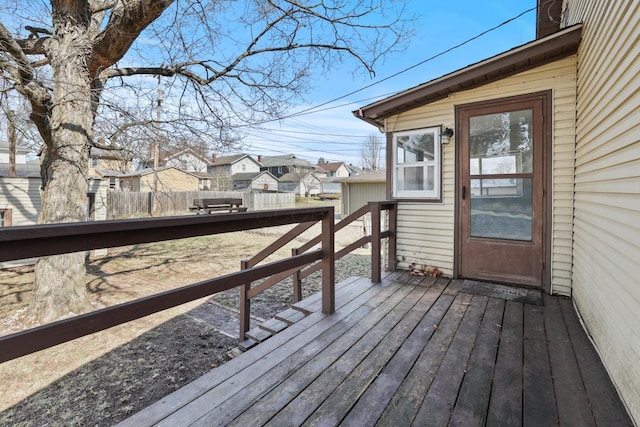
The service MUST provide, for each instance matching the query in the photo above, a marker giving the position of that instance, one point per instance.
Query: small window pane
(501, 143)
(411, 178)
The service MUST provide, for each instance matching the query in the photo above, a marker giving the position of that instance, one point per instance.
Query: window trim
(6, 220)
(434, 195)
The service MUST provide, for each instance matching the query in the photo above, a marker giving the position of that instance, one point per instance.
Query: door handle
(464, 192)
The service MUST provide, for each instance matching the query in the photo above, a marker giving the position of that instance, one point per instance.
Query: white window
(94, 162)
(417, 163)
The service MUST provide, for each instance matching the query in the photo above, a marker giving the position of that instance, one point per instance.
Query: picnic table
(207, 206)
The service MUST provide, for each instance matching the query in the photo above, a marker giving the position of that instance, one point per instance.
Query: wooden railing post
(391, 240)
(245, 304)
(374, 209)
(328, 262)
(297, 280)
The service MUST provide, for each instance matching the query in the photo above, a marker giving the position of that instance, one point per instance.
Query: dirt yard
(103, 378)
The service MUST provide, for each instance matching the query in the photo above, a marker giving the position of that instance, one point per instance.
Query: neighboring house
(20, 195)
(286, 164)
(254, 181)
(168, 178)
(354, 170)
(328, 172)
(554, 127)
(336, 169)
(20, 200)
(361, 189)
(21, 153)
(302, 184)
(222, 168)
(109, 165)
(187, 160)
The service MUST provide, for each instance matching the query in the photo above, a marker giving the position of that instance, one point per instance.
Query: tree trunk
(60, 289)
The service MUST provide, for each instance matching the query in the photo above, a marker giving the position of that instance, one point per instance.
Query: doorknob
(464, 192)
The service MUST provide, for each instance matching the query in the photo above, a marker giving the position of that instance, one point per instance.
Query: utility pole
(11, 130)
(156, 149)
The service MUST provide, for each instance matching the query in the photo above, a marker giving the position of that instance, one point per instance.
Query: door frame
(547, 174)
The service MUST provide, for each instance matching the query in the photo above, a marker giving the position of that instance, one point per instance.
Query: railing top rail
(53, 239)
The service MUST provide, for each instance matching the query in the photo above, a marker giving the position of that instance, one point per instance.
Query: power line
(311, 110)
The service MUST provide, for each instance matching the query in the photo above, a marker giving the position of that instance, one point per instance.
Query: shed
(358, 190)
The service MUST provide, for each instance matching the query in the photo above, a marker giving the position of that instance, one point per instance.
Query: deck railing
(298, 273)
(45, 240)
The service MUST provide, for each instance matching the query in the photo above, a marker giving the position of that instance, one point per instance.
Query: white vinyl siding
(606, 256)
(426, 230)
(22, 196)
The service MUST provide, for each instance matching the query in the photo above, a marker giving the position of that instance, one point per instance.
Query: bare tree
(86, 64)
(372, 153)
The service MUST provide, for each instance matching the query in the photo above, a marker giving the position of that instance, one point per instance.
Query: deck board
(440, 399)
(605, 404)
(538, 397)
(505, 407)
(408, 352)
(571, 398)
(370, 407)
(471, 406)
(407, 400)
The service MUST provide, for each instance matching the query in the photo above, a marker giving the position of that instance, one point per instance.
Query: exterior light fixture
(446, 135)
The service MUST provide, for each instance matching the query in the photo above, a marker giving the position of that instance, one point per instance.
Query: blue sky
(334, 134)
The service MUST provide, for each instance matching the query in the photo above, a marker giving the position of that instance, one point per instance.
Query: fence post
(297, 281)
(328, 262)
(245, 304)
(374, 208)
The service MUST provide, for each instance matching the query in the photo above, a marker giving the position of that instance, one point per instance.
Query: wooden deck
(411, 351)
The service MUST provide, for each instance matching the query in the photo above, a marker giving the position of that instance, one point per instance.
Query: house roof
(296, 176)
(108, 173)
(147, 171)
(250, 176)
(28, 170)
(527, 56)
(285, 160)
(369, 177)
(333, 166)
(175, 154)
(228, 160)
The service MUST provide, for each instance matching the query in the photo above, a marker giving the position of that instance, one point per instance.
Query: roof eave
(534, 54)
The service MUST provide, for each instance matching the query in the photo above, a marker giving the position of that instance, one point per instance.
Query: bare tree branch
(126, 22)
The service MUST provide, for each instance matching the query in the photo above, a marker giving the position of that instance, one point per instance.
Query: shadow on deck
(410, 351)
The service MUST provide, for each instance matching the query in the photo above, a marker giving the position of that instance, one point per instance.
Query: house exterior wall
(170, 180)
(606, 255)
(426, 230)
(22, 196)
(99, 188)
(244, 165)
(188, 162)
(265, 182)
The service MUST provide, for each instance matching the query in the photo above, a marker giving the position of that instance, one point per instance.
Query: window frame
(5, 220)
(429, 195)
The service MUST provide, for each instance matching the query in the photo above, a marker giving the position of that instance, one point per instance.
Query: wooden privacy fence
(123, 204)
